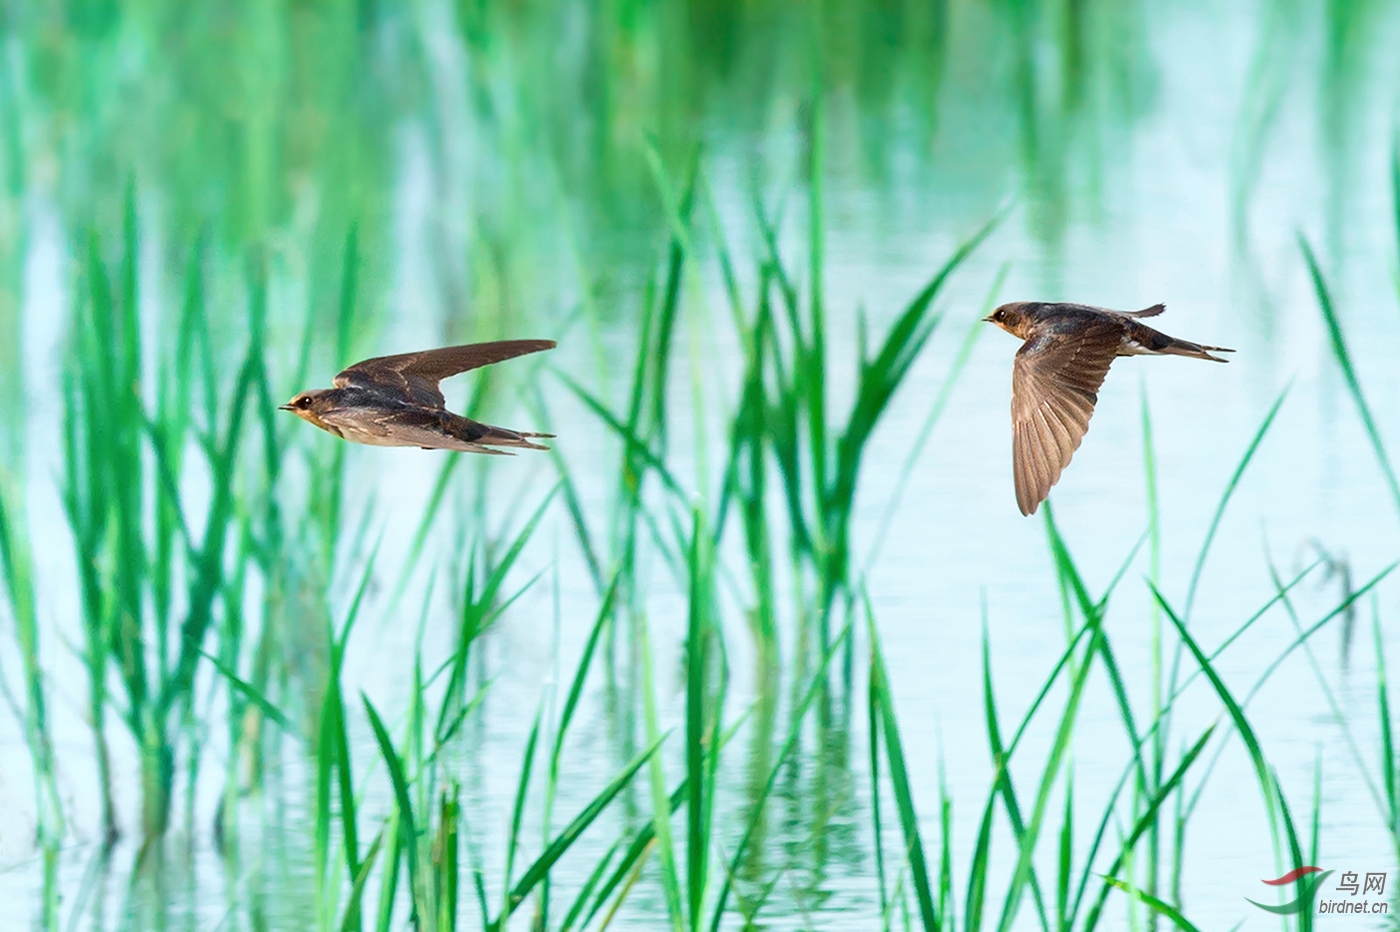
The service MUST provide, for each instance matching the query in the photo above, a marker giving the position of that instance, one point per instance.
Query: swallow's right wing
(415, 376)
(1054, 387)
(1152, 311)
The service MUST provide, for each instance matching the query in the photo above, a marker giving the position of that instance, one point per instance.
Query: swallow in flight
(1056, 378)
(394, 401)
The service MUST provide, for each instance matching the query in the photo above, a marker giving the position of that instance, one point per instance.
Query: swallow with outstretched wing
(394, 401)
(1056, 378)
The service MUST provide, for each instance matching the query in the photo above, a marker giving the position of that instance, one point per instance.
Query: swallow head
(1012, 318)
(310, 405)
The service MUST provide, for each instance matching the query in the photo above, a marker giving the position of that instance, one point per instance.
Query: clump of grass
(17, 572)
(819, 462)
(114, 452)
(17, 567)
(781, 421)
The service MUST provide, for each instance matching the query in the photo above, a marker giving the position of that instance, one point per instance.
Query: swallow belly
(1133, 348)
(373, 438)
(367, 426)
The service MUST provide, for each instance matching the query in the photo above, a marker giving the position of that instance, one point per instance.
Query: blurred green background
(764, 234)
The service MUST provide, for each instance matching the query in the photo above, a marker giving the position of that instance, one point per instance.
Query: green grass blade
(1065, 862)
(1341, 608)
(518, 810)
(1002, 785)
(562, 842)
(1343, 357)
(407, 832)
(1027, 840)
(351, 921)
(661, 813)
(637, 849)
(425, 525)
(879, 380)
(1388, 761)
(566, 717)
(812, 375)
(16, 562)
(1274, 801)
(1320, 675)
(678, 214)
(586, 891)
(251, 692)
(1225, 500)
(1145, 821)
(635, 445)
(945, 391)
(1295, 849)
(389, 883)
(872, 705)
(697, 636)
(1154, 904)
(496, 579)
(799, 713)
(899, 776)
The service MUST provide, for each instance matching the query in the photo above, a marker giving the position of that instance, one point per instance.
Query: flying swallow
(394, 401)
(1056, 378)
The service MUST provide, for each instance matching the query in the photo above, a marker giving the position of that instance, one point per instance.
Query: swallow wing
(1054, 387)
(1152, 311)
(415, 376)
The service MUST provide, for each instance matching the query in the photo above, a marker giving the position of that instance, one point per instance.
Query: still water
(1171, 153)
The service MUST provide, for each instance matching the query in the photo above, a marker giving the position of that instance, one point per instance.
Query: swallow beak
(286, 407)
(988, 319)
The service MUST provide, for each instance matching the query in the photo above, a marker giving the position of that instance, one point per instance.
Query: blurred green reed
(17, 567)
(1343, 357)
(263, 121)
(114, 455)
(173, 481)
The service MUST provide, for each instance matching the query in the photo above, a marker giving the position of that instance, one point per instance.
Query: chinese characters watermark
(1309, 880)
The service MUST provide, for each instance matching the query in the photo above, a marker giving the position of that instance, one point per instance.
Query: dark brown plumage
(1056, 377)
(394, 401)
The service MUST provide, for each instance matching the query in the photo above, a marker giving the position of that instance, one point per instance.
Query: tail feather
(1148, 340)
(504, 437)
(1194, 350)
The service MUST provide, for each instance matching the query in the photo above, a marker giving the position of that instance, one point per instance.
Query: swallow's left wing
(1054, 387)
(416, 375)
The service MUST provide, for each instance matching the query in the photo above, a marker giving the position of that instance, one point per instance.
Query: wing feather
(416, 375)
(1021, 466)
(1054, 387)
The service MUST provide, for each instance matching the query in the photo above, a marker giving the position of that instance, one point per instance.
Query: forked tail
(1199, 351)
(1148, 340)
(504, 437)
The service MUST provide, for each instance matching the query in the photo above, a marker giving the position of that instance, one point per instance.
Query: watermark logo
(1308, 880)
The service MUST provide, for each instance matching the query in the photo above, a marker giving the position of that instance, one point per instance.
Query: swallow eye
(303, 402)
